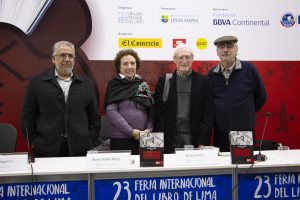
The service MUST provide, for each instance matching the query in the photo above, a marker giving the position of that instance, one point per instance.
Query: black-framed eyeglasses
(63, 56)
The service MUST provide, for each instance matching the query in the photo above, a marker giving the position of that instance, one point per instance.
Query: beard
(64, 70)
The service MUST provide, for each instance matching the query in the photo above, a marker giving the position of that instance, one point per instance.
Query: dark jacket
(235, 104)
(47, 117)
(201, 110)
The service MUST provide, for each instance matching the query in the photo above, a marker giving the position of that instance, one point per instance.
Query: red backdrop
(22, 56)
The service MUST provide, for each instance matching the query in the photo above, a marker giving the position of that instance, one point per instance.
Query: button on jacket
(48, 118)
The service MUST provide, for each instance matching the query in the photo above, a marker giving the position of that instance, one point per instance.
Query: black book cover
(151, 149)
(241, 147)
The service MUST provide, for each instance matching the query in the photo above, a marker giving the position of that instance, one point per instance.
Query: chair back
(8, 138)
(105, 128)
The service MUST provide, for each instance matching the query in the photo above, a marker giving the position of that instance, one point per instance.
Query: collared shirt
(227, 71)
(135, 76)
(237, 65)
(64, 84)
(184, 75)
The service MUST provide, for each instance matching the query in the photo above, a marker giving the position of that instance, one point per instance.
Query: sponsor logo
(221, 22)
(202, 43)
(140, 43)
(176, 42)
(164, 18)
(287, 20)
(130, 18)
(222, 17)
(235, 22)
(184, 19)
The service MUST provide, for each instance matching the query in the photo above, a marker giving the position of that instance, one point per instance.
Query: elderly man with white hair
(238, 92)
(183, 108)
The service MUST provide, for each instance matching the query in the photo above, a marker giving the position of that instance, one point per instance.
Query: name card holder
(14, 162)
(208, 155)
(108, 159)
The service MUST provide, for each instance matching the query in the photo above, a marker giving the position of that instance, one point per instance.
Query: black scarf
(136, 90)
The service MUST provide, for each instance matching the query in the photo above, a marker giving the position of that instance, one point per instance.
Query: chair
(8, 138)
(105, 128)
(103, 141)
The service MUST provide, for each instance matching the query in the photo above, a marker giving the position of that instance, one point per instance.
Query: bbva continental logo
(140, 42)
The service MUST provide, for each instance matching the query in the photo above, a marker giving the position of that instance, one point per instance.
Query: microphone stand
(30, 160)
(261, 157)
(30, 157)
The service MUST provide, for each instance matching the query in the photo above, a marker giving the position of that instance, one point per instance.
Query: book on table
(241, 147)
(151, 149)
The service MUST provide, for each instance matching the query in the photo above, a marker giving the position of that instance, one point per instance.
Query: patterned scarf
(136, 90)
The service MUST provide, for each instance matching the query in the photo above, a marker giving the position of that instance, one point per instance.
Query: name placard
(111, 159)
(13, 162)
(206, 156)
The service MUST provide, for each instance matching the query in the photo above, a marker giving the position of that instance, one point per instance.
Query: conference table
(71, 178)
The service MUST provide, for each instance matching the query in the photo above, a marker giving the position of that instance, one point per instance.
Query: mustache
(225, 54)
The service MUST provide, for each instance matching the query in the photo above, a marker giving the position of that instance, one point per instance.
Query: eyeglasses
(182, 58)
(228, 46)
(63, 56)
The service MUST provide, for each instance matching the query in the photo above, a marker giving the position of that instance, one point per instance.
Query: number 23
(260, 182)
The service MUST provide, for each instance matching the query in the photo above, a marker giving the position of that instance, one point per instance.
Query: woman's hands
(136, 133)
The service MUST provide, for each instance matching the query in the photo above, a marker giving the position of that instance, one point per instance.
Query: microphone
(261, 157)
(30, 157)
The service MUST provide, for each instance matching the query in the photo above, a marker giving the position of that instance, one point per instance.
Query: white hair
(183, 47)
(58, 44)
